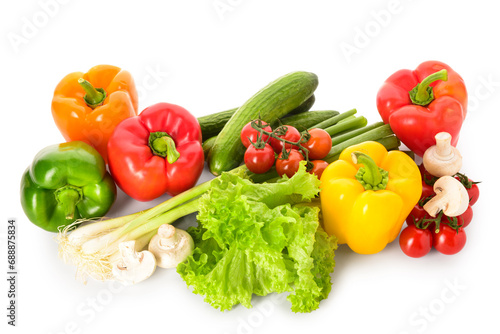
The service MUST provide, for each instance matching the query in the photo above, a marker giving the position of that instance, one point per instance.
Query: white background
(209, 56)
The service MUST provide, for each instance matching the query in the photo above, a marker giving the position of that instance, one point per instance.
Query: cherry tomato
(427, 191)
(249, 134)
(472, 190)
(416, 214)
(415, 242)
(464, 219)
(426, 176)
(422, 170)
(319, 144)
(318, 167)
(289, 166)
(292, 134)
(448, 241)
(259, 160)
(418, 211)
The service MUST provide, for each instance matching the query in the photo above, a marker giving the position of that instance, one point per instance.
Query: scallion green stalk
(341, 137)
(334, 120)
(374, 134)
(351, 124)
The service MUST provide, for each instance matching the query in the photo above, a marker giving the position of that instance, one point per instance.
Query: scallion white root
(94, 248)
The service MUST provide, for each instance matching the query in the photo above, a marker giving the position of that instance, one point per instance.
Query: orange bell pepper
(88, 114)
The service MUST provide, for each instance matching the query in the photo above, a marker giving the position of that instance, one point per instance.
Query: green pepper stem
(422, 94)
(163, 145)
(370, 175)
(68, 197)
(93, 96)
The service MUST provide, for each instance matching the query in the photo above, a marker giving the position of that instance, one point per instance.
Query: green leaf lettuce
(258, 239)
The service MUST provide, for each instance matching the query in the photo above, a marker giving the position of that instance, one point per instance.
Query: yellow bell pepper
(367, 194)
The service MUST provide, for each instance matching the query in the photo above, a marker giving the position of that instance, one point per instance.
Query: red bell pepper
(157, 152)
(418, 104)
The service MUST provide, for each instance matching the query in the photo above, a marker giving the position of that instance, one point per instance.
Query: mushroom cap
(133, 267)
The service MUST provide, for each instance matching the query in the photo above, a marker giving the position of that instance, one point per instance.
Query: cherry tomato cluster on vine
(285, 147)
(445, 234)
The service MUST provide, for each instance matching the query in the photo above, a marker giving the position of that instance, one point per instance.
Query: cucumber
(305, 120)
(306, 106)
(207, 145)
(212, 124)
(273, 101)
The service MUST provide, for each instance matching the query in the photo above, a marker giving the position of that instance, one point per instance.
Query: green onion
(346, 125)
(341, 137)
(332, 121)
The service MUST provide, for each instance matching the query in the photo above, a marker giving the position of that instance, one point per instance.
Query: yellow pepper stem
(370, 175)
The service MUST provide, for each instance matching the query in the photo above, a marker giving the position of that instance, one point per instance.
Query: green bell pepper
(64, 183)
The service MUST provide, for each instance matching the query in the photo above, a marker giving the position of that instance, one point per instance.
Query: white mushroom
(133, 267)
(171, 246)
(451, 197)
(442, 159)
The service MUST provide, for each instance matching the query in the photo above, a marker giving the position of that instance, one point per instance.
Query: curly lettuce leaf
(252, 239)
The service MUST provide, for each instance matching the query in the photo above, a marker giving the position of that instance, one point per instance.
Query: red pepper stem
(93, 96)
(370, 175)
(422, 94)
(163, 145)
(68, 197)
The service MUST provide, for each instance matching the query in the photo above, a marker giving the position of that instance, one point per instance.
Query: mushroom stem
(129, 256)
(443, 146)
(436, 205)
(133, 267)
(167, 236)
(171, 246)
(442, 159)
(140, 244)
